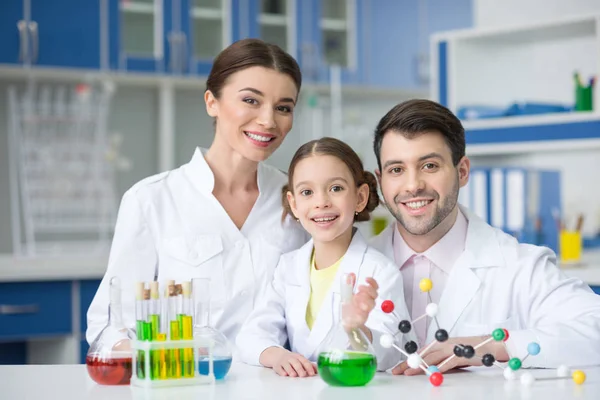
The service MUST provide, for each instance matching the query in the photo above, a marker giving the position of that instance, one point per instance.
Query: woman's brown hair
(328, 146)
(248, 53)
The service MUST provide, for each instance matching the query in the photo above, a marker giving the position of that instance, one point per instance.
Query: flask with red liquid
(109, 357)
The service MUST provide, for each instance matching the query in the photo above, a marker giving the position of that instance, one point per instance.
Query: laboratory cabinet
(375, 43)
(40, 311)
(61, 33)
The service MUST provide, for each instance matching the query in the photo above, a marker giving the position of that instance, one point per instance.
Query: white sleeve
(389, 279)
(561, 314)
(132, 258)
(266, 325)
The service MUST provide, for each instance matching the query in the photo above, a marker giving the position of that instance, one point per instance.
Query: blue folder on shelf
(517, 200)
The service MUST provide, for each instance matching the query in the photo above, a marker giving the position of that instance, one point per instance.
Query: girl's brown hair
(328, 146)
(248, 53)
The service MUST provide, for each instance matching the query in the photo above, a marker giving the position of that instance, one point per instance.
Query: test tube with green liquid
(187, 330)
(140, 319)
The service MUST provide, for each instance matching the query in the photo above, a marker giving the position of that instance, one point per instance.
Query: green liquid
(347, 369)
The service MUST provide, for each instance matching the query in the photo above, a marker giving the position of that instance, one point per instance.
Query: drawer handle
(7, 309)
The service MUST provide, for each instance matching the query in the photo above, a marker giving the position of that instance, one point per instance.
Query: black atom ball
(488, 360)
(468, 351)
(404, 326)
(441, 335)
(410, 347)
(458, 351)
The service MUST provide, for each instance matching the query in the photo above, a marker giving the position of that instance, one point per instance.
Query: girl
(328, 190)
(213, 217)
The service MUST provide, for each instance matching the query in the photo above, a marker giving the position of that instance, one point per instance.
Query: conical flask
(109, 357)
(222, 350)
(346, 357)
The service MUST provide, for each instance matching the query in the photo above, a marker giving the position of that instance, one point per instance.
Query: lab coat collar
(329, 312)
(202, 177)
(482, 248)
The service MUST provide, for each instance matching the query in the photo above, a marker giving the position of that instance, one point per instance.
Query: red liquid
(109, 371)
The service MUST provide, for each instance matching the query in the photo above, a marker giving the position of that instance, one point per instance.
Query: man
(483, 279)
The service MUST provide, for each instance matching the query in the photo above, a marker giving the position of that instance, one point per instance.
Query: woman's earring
(356, 213)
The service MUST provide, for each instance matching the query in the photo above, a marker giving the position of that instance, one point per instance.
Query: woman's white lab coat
(170, 226)
(499, 283)
(281, 314)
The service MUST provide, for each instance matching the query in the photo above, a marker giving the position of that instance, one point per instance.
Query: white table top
(20, 269)
(71, 382)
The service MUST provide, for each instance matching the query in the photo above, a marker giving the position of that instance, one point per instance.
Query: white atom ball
(509, 374)
(562, 371)
(386, 341)
(527, 379)
(431, 310)
(414, 360)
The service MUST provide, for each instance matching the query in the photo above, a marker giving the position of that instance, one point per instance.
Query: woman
(214, 217)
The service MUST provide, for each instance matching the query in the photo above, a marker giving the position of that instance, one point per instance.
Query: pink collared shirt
(435, 263)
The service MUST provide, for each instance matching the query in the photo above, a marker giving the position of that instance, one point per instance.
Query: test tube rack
(156, 356)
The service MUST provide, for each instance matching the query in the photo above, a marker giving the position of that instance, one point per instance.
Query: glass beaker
(109, 358)
(222, 350)
(346, 357)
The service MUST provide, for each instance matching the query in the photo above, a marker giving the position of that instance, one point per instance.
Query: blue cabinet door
(322, 41)
(397, 38)
(137, 38)
(12, 32)
(207, 28)
(65, 33)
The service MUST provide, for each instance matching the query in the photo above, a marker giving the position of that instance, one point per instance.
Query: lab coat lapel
(482, 250)
(329, 313)
(301, 280)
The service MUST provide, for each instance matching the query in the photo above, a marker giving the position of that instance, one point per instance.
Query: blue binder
(517, 200)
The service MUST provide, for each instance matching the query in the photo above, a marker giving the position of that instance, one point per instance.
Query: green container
(583, 98)
(350, 369)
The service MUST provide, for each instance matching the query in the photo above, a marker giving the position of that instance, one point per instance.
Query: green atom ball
(498, 334)
(514, 364)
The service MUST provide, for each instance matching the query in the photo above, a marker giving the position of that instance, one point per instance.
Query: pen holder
(172, 363)
(584, 97)
(570, 243)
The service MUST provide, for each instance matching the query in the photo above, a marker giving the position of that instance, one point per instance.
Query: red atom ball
(387, 306)
(436, 378)
(505, 335)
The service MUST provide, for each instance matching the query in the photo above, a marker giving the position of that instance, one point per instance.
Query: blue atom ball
(533, 349)
(432, 369)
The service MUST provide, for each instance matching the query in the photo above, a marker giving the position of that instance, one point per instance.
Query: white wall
(496, 13)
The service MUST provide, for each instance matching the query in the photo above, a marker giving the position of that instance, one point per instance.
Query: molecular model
(415, 360)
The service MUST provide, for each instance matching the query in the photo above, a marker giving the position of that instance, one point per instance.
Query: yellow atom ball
(578, 376)
(425, 285)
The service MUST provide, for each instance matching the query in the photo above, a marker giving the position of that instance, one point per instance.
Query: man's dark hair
(416, 117)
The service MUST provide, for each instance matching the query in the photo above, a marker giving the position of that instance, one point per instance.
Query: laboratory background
(96, 95)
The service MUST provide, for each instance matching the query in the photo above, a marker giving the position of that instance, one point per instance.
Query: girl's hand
(356, 313)
(286, 363)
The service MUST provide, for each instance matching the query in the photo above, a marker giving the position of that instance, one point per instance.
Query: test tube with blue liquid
(222, 350)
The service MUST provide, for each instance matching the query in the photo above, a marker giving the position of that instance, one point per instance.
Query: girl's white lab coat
(281, 314)
(500, 283)
(170, 226)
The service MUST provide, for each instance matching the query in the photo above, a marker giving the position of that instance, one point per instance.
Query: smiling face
(420, 183)
(325, 198)
(254, 112)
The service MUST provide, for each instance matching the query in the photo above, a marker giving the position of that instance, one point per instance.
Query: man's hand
(356, 313)
(286, 363)
(441, 351)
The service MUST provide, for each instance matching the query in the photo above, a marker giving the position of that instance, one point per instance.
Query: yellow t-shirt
(320, 282)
